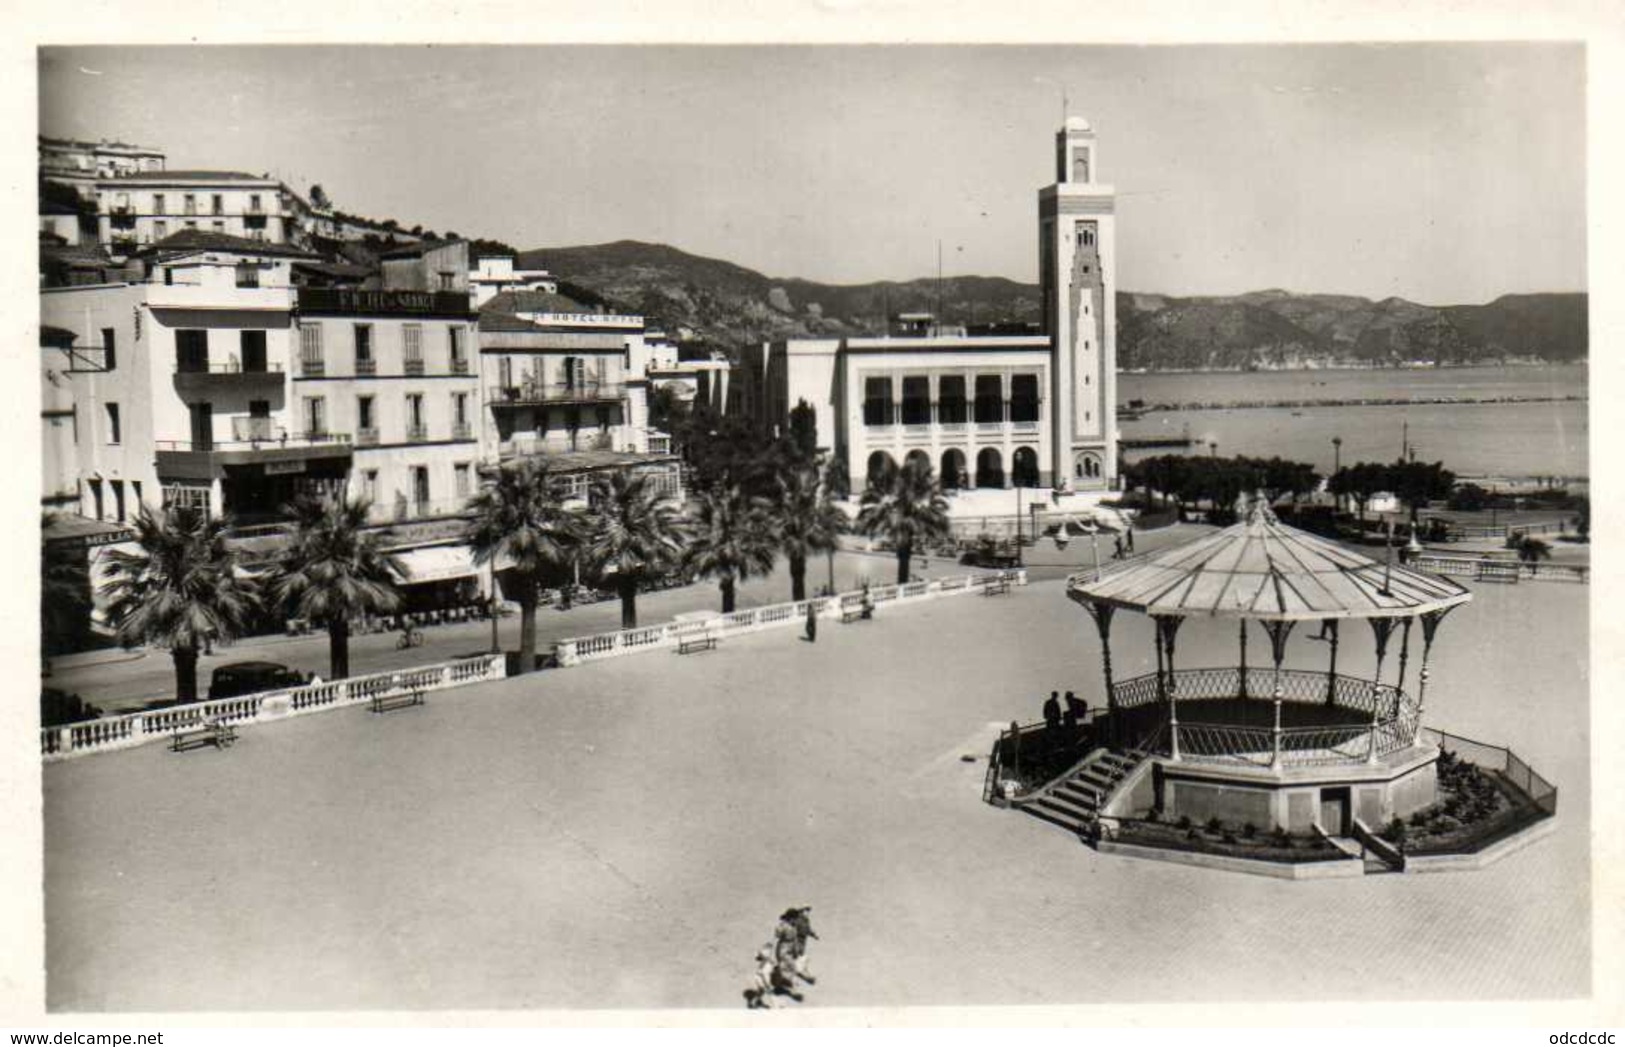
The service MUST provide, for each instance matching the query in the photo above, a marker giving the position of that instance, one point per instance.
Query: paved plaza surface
(624, 834)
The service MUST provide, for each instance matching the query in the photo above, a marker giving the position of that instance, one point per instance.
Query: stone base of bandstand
(1290, 797)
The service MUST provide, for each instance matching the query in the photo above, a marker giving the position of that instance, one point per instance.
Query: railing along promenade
(670, 634)
(1483, 566)
(132, 729)
(1382, 708)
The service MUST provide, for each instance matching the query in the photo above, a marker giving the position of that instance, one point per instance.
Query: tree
(519, 517)
(1416, 484)
(633, 532)
(804, 430)
(667, 410)
(1361, 482)
(319, 199)
(808, 522)
(910, 512)
(180, 589)
(335, 571)
(731, 538)
(1529, 548)
(64, 597)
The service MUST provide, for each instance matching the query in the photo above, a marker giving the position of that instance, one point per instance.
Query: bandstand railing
(1382, 718)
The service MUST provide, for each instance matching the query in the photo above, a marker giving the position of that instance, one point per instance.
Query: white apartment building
(82, 164)
(984, 411)
(143, 208)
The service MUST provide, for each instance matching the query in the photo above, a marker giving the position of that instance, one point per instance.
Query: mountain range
(730, 306)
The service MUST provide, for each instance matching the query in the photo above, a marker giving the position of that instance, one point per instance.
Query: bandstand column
(1404, 657)
(1382, 629)
(1167, 628)
(1331, 670)
(1102, 614)
(1430, 626)
(1278, 631)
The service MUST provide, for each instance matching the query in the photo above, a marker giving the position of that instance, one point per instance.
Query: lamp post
(1018, 525)
(1213, 448)
(496, 644)
(1337, 467)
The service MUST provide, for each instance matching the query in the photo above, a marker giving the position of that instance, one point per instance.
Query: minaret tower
(1077, 250)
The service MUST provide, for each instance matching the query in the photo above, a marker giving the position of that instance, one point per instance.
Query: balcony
(1024, 427)
(462, 431)
(312, 368)
(558, 393)
(413, 367)
(459, 365)
(368, 366)
(196, 296)
(417, 434)
(254, 441)
(401, 510)
(366, 437)
(200, 379)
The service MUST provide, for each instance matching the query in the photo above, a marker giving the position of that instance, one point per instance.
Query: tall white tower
(1077, 245)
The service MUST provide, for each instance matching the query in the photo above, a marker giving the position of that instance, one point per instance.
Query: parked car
(229, 681)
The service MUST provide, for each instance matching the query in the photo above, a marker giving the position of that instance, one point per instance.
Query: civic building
(984, 411)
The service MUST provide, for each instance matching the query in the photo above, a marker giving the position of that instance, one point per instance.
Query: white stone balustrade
(122, 732)
(660, 637)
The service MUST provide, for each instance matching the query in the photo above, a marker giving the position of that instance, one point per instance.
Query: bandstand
(1258, 743)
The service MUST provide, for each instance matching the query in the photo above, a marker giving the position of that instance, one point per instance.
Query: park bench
(206, 732)
(690, 644)
(383, 701)
(856, 613)
(996, 587)
(1498, 571)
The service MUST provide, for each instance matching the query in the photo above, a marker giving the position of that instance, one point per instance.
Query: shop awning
(437, 563)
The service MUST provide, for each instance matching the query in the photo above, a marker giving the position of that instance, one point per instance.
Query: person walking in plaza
(812, 622)
(1117, 547)
(1128, 535)
(1052, 716)
(801, 922)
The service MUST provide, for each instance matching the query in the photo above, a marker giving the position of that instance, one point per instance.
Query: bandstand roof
(1261, 568)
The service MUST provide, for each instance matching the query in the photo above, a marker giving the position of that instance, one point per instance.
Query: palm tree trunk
(527, 633)
(628, 586)
(904, 554)
(338, 648)
(798, 577)
(727, 585)
(185, 673)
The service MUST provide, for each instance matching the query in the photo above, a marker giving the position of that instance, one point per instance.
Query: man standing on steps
(1052, 714)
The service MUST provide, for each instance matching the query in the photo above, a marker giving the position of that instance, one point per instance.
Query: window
(217, 205)
(448, 281)
(315, 416)
(191, 351)
(369, 485)
(219, 227)
(412, 338)
(118, 499)
(180, 495)
(191, 225)
(253, 347)
(916, 400)
(310, 349)
(248, 274)
(454, 338)
(1024, 398)
(114, 435)
(951, 400)
(96, 493)
(158, 204)
(160, 229)
(414, 410)
(189, 205)
(989, 398)
(462, 472)
(1080, 165)
(364, 363)
(254, 202)
(109, 348)
(135, 494)
(877, 401)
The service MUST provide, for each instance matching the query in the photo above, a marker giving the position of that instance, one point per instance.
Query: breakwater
(1334, 401)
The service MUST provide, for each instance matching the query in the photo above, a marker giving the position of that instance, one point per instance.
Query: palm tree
(909, 512)
(180, 590)
(633, 531)
(64, 597)
(520, 517)
(1531, 550)
(731, 539)
(808, 522)
(334, 571)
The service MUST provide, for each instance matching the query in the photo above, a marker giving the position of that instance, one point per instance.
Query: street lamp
(1018, 525)
(1337, 453)
(1213, 448)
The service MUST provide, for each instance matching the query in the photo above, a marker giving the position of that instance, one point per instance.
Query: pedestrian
(1117, 545)
(801, 925)
(1077, 706)
(868, 606)
(1052, 711)
(785, 955)
(1129, 535)
(812, 622)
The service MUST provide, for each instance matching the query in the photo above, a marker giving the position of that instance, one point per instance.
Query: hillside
(733, 306)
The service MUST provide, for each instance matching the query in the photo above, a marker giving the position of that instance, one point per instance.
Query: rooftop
(190, 240)
(191, 176)
(418, 249)
(534, 302)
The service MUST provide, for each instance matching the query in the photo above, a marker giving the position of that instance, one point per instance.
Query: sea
(1511, 441)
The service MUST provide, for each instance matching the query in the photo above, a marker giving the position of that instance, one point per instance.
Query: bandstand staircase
(1074, 799)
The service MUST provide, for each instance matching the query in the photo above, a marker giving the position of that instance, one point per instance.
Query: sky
(1442, 173)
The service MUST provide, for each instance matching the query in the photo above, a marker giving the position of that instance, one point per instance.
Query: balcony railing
(255, 433)
(417, 434)
(227, 367)
(366, 437)
(367, 366)
(459, 365)
(462, 431)
(312, 368)
(989, 427)
(538, 392)
(400, 510)
(413, 366)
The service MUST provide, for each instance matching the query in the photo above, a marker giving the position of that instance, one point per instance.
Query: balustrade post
(64, 739)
